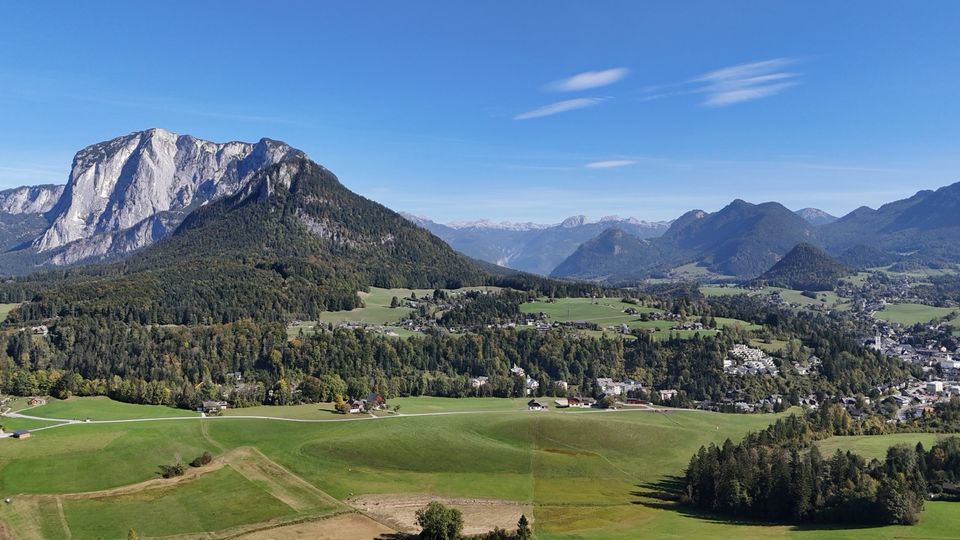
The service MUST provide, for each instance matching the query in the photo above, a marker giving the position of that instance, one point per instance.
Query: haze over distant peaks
(531, 247)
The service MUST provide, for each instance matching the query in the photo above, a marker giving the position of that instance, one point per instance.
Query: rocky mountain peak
(118, 184)
(574, 221)
(30, 199)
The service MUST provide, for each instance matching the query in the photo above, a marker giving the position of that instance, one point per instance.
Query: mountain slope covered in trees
(293, 242)
(742, 239)
(806, 267)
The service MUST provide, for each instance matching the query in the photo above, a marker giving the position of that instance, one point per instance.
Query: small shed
(21, 434)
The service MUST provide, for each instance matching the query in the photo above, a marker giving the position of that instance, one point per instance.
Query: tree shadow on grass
(668, 494)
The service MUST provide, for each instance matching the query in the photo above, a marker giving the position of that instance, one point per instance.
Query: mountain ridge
(292, 242)
(537, 248)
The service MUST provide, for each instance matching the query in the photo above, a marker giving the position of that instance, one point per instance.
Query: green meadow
(102, 408)
(5, 310)
(910, 314)
(827, 299)
(589, 474)
(376, 310)
(609, 312)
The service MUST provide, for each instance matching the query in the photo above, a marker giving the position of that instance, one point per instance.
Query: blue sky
(510, 110)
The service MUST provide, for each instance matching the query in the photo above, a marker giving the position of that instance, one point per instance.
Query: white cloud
(734, 84)
(559, 107)
(588, 79)
(610, 164)
(747, 82)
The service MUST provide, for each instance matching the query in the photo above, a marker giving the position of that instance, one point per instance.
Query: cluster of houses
(735, 405)
(931, 356)
(744, 360)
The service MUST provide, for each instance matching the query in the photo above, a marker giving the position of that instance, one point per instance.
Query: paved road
(70, 421)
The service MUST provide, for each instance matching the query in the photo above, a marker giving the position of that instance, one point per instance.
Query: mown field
(376, 310)
(585, 474)
(910, 314)
(827, 299)
(607, 312)
(5, 310)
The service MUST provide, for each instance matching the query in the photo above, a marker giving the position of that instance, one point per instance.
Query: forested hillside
(805, 267)
(295, 242)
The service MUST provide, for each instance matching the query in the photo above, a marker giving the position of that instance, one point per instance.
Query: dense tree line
(181, 365)
(479, 309)
(778, 474)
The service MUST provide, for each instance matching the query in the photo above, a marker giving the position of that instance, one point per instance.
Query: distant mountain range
(743, 240)
(531, 247)
(130, 192)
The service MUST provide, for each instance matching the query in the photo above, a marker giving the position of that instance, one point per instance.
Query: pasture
(593, 474)
(376, 310)
(5, 310)
(910, 314)
(828, 299)
(607, 312)
(102, 408)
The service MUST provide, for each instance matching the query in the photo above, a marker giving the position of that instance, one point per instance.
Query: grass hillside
(910, 314)
(578, 474)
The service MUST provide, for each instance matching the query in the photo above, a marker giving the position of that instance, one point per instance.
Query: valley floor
(574, 474)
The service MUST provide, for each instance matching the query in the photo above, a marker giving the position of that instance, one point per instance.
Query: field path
(68, 421)
(282, 484)
(63, 518)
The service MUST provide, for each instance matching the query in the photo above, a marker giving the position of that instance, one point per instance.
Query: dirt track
(479, 515)
(344, 527)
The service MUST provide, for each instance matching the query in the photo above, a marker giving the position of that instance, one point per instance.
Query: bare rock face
(30, 199)
(129, 192)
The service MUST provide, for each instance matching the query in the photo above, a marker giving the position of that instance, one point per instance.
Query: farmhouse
(212, 407)
(581, 402)
(376, 401)
(355, 406)
(535, 405)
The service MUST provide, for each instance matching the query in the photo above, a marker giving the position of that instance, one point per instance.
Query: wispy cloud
(588, 80)
(559, 107)
(610, 164)
(733, 84)
(747, 82)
